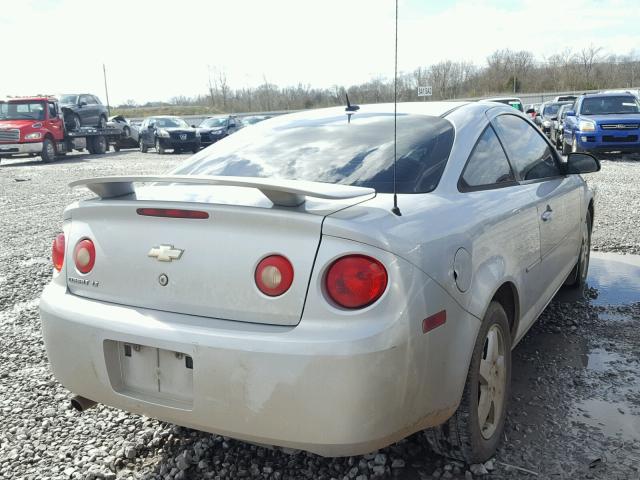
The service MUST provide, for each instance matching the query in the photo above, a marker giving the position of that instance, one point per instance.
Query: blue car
(602, 122)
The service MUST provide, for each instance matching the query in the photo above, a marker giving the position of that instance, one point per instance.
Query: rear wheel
(143, 146)
(195, 149)
(159, 148)
(48, 153)
(97, 145)
(578, 276)
(473, 432)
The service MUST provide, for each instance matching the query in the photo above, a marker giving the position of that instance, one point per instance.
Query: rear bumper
(20, 148)
(332, 388)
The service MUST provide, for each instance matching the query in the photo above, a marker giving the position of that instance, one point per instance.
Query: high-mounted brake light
(355, 281)
(84, 255)
(57, 251)
(172, 213)
(274, 275)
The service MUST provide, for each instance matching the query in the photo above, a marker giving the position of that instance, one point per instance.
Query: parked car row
(159, 132)
(591, 122)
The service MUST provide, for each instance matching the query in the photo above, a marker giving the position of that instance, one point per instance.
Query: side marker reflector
(434, 321)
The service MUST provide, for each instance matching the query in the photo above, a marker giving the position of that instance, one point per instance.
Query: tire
(48, 153)
(462, 437)
(74, 122)
(577, 279)
(116, 148)
(575, 148)
(102, 122)
(143, 146)
(566, 148)
(159, 148)
(97, 145)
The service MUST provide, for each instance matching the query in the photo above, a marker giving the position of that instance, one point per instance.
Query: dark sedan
(166, 132)
(215, 128)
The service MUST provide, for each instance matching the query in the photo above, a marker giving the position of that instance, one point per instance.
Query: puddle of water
(600, 360)
(609, 418)
(617, 278)
(614, 317)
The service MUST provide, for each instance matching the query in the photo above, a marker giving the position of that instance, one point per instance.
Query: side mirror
(582, 163)
(554, 118)
(570, 113)
(193, 126)
(530, 111)
(82, 104)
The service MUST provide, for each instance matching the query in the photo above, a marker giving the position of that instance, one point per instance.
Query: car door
(54, 121)
(144, 132)
(557, 197)
(84, 110)
(507, 221)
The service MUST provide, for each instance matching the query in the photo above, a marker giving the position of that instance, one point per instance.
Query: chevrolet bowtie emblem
(165, 253)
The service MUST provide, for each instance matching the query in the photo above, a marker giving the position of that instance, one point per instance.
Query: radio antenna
(395, 210)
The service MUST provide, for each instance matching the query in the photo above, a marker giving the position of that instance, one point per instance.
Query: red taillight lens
(57, 251)
(172, 213)
(274, 275)
(356, 281)
(84, 255)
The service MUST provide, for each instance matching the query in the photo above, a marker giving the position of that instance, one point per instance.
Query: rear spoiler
(286, 193)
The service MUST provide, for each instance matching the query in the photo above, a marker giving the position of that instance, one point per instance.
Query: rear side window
(333, 147)
(529, 154)
(487, 166)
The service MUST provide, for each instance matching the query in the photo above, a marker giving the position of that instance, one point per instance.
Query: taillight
(356, 281)
(84, 255)
(57, 251)
(274, 275)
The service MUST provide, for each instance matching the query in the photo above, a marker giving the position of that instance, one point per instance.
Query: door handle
(547, 214)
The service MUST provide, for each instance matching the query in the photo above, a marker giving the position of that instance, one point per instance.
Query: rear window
(332, 147)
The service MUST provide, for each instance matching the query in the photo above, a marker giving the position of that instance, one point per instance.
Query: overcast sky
(155, 50)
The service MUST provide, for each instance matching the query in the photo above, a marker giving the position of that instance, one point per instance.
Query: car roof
(27, 99)
(436, 109)
(494, 99)
(609, 94)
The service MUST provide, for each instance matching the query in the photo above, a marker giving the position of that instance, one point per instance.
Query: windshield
(169, 122)
(214, 122)
(69, 99)
(22, 111)
(609, 105)
(327, 146)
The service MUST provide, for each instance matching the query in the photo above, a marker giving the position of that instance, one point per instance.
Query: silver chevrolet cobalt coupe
(265, 290)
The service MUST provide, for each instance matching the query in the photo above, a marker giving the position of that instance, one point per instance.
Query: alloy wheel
(492, 382)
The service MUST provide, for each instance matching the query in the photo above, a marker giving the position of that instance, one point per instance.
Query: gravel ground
(616, 226)
(576, 385)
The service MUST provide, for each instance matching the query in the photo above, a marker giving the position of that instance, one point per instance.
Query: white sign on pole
(424, 91)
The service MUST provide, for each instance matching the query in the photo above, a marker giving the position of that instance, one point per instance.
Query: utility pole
(106, 90)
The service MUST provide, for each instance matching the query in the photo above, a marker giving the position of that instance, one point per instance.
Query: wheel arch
(591, 210)
(507, 296)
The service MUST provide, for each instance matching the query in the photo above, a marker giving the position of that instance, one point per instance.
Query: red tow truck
(32, 126)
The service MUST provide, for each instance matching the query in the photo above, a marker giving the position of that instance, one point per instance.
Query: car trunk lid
(198, 266)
